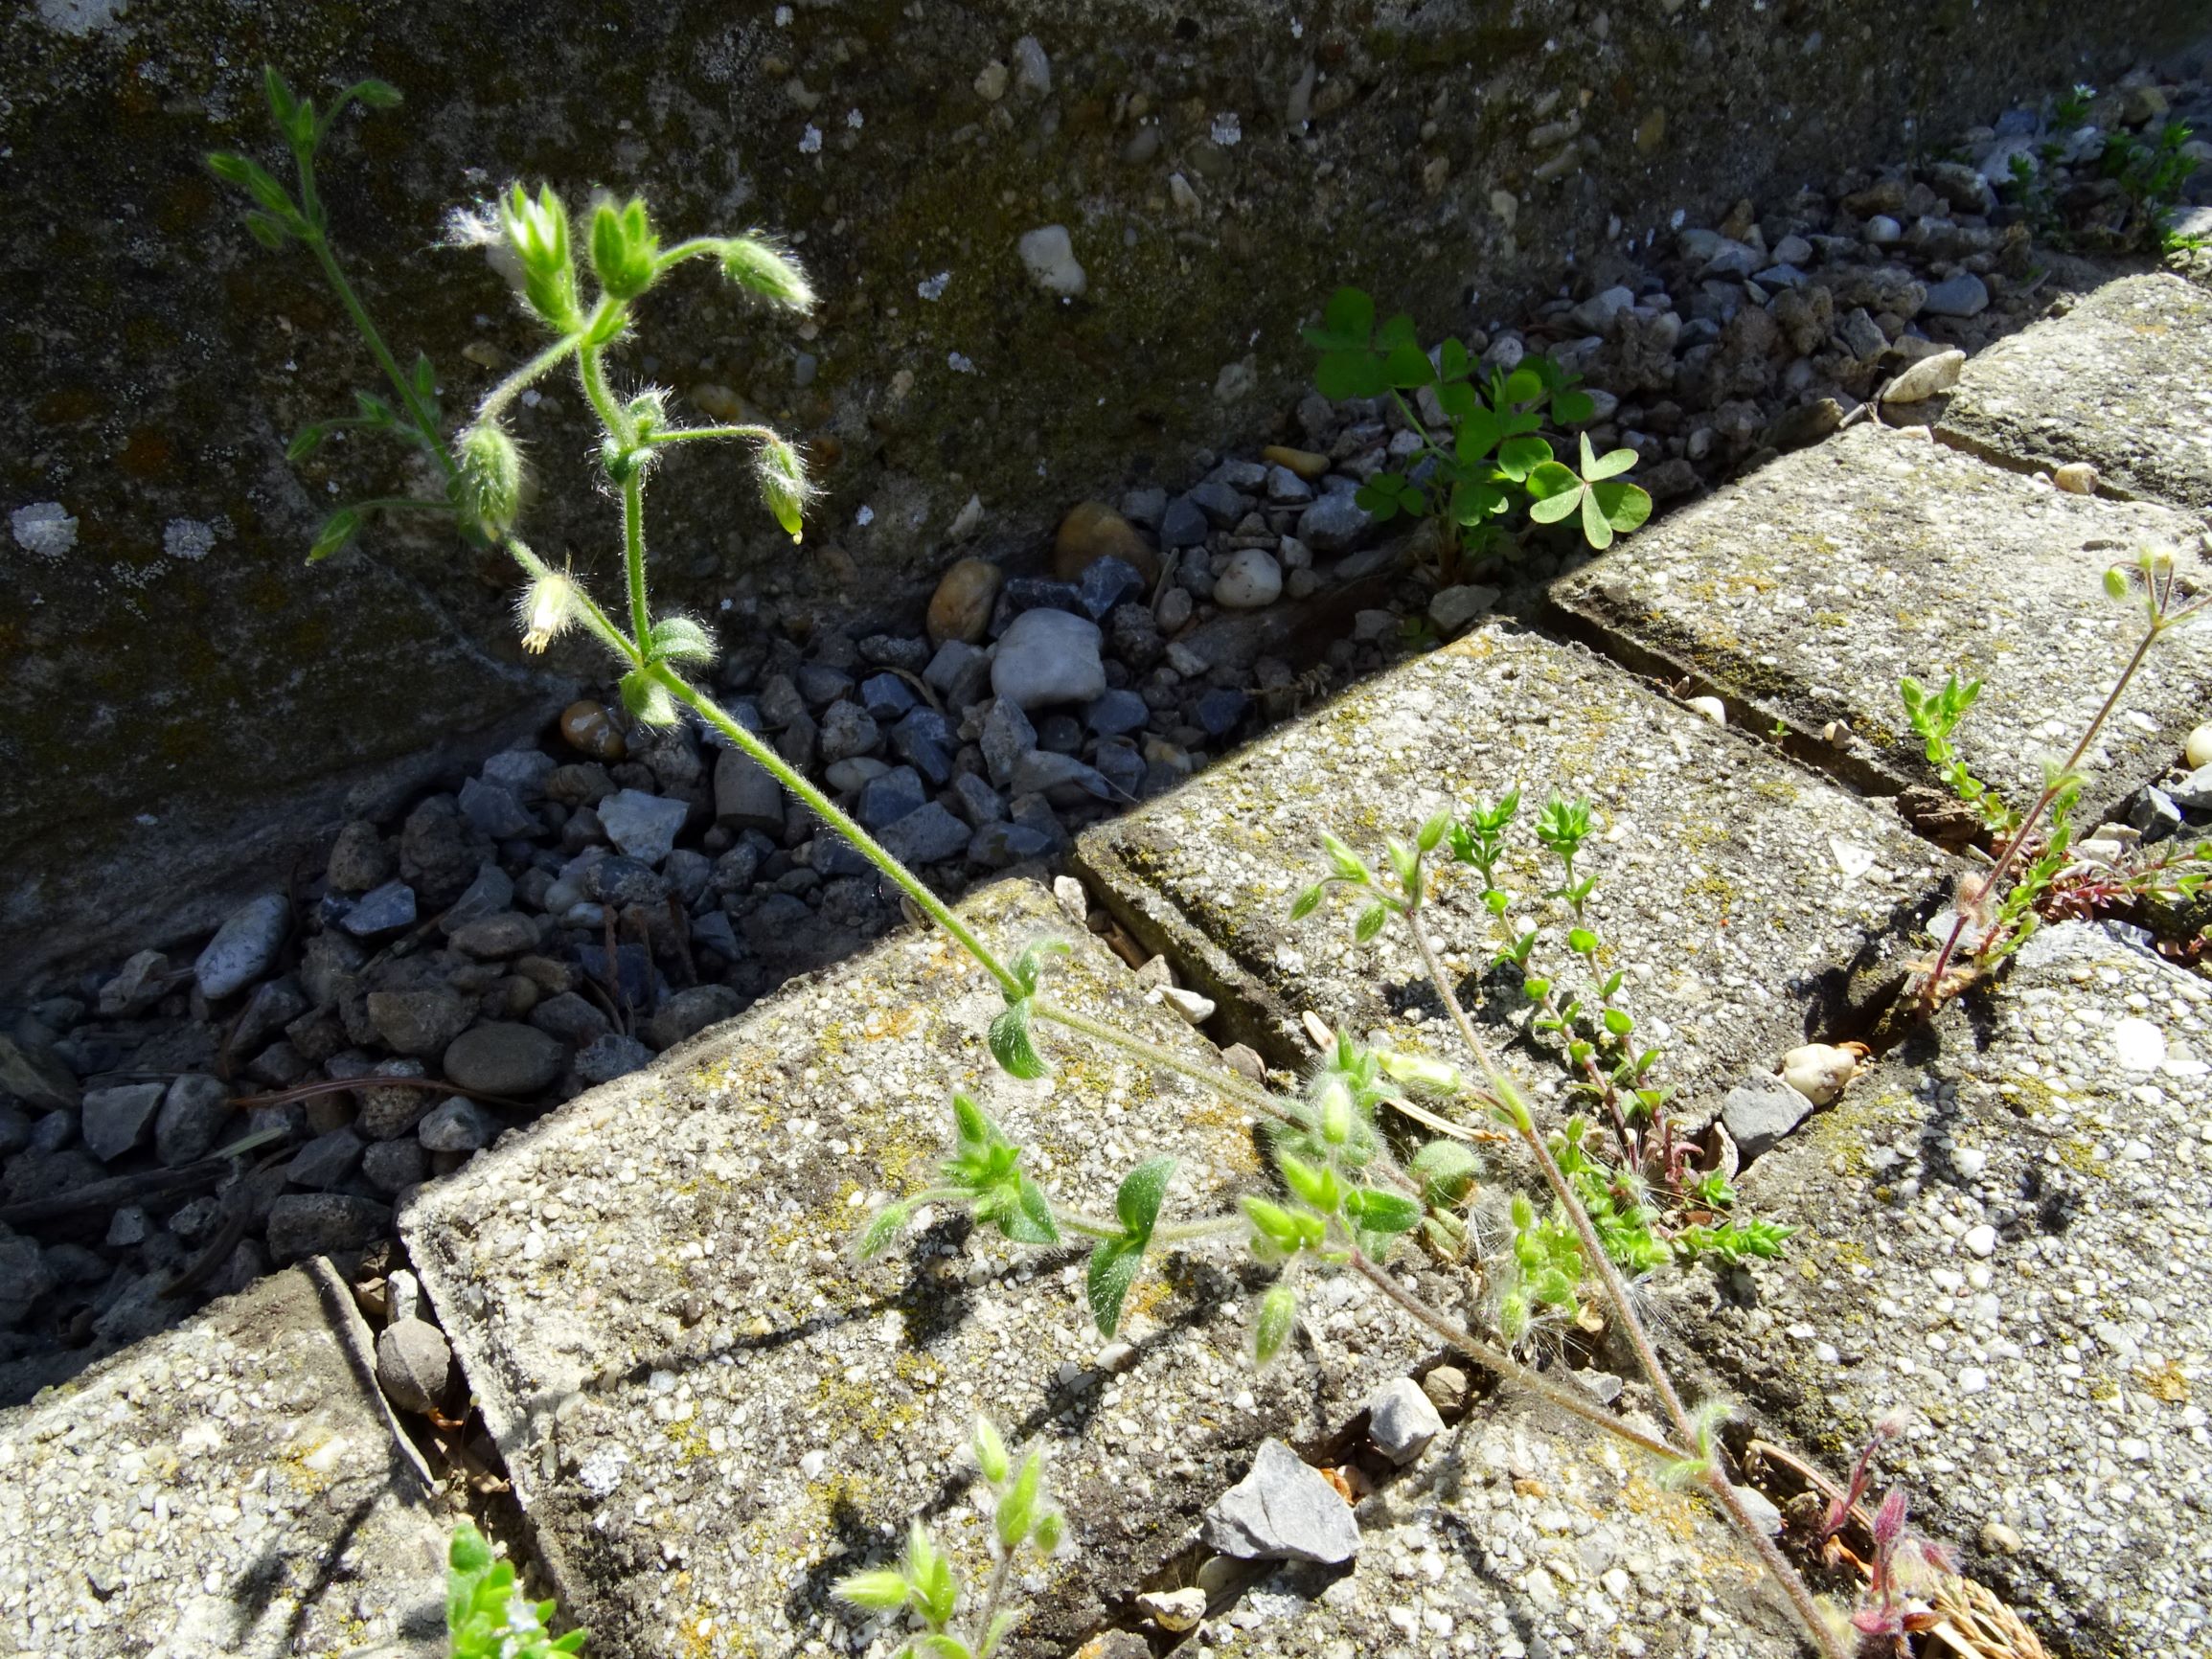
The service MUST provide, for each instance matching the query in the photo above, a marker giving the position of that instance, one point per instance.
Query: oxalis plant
(1498, 472)
(1995, 911)
(1347, 1198)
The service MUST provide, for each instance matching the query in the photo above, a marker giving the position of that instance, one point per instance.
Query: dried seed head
(547, 606)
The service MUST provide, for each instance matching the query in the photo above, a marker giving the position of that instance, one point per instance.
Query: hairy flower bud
(775, 276)
(537, 231)
(624, 249)
(491, 477)
(784, 486)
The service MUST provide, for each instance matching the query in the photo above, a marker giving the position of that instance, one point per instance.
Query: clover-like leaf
(1519, 457)
(1596, 466)
(1409, 366)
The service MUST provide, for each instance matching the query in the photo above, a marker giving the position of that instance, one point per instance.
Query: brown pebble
(960, 610)
(2076, 478)
(587, 728)
(1093, 530)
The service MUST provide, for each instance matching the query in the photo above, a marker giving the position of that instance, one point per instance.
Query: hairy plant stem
(633, 553)
(993, 1594)
(1793, 1588)
(831, 814)
(1565, 1396)
(496, 400)
(1931, 989)
(426, 424)
(1594, 1250)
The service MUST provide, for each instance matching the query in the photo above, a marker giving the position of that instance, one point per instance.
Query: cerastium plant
(1344, 1199)
(1992, 918)
(923, 1583)
(486, 1614)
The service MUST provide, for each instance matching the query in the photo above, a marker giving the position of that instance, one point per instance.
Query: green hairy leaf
(1114, 1269)
(1013, 1047)
(1272, 1324)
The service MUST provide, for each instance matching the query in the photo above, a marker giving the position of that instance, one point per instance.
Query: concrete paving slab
(1804, 593)
(710, 1415)
(1734, 888)
(233, 1486)
(1519, 1534)
(2008, 1231)
(2122, 381)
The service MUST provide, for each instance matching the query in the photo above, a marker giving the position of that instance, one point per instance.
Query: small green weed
(1498, 472)
(487, 1617)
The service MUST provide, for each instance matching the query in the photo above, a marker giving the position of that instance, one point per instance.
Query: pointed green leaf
(1029, 965)
(1446, 1169)
(1139, 1200)
(1272, 1323)
(1371, 921)
(1308, 899)
(1030, 1222)
(375, 93)
(337, 530)
(1017, 1504)
(303, 443)
(1012, 1045)
(1114, 1269)
(883, 1231)
(1371, 1210)
(879, 1589)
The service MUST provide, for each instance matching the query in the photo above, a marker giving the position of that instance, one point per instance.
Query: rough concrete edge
(1246, 1010)
(358, 1345)
(1643, 642)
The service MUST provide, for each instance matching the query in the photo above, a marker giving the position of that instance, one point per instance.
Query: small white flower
(811, 140)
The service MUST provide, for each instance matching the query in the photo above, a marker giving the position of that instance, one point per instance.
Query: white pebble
(1981, 1240)
(1972, 1380)
(2197, 751)
(2139, 1045)
(1712, 708)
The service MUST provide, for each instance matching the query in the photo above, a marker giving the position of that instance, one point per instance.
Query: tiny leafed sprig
(924, 1585)
(487, 1616)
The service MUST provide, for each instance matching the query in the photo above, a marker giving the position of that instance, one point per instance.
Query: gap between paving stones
(2007, 1229)
(1752, 905)
(1802, 594)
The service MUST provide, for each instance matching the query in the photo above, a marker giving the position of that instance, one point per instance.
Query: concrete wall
(185, 706)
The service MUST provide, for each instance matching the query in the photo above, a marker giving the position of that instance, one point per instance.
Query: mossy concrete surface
(711, 1414)
(236, 1485)
(1218, 169)
(2007, 1232)
(1521, 1532)
(1804, 592)
(1735, 890)
(2124, 381)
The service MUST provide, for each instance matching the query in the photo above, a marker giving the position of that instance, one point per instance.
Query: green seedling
(486, 1615)
(1497, 472)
